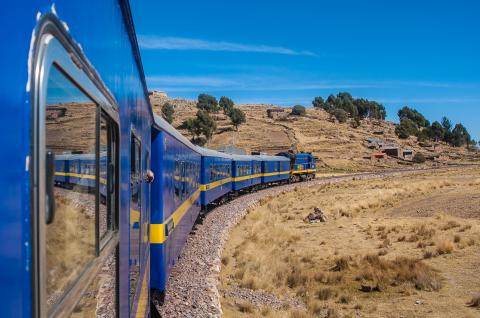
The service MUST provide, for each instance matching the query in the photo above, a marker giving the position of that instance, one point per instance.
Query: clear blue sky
(424, 54)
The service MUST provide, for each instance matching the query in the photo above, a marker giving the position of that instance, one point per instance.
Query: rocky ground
(192, 289)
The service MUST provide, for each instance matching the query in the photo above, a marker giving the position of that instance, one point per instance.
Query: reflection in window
(99, 298)
(70, 124)
(135, 208)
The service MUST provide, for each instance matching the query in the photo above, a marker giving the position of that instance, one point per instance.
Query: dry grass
(444, 247)
(328, 265)
(475, 301)
(245, 307)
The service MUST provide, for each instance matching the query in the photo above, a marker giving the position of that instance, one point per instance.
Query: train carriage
(242, 171)
(73, 86)
(274, 168)
(175, 199)
(215, 175)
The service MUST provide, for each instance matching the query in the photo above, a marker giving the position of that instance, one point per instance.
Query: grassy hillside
(337, 146)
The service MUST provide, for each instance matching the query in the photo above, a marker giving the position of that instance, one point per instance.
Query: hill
(338, 146)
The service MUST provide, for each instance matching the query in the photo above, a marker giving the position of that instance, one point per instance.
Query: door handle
(49, 187)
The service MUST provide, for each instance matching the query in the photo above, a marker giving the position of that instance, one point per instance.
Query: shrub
(202, 124)
(406, 128)
(245, 308)
(340, 115)
(355, 122)
(226, 104)
(298, 110)
(167, 112)
(475, 301)
(208, 103)
(444, 247)
(341, 264)
(325, 294)
(237, 117)
(414, 116)
(419, 158)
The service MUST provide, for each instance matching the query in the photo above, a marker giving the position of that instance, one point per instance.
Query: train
(99, 193)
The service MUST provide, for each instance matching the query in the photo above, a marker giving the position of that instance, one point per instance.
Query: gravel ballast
(192, 286)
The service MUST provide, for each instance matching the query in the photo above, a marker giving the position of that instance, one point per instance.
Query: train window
(176, 181)
(184, 180)
(107, 167)
(68, 170)
(70, 236)
(135, 214)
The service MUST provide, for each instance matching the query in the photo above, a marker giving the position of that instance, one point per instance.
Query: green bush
(299, 110)
(208, 103)
(202, 124)
(406, 128)
(237, 117)
(415, 116)
(226, 104)
(167, 112)
(340, 115)
(419, 158)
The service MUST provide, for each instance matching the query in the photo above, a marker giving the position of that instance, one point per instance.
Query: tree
(377, 111)
(412, 114)
(237, 117)
(167, 112)
(226, 104)
(298, 110)
(363, 107)
(203, 123)
(460, 136)
(191, 124)
(446, 123)
(437, 131)
(345, 101)
(206, 124)
(318, 102)
(406, 128)
(208, 103)
(340, 115)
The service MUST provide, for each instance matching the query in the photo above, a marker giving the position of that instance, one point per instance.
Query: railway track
(192, 286)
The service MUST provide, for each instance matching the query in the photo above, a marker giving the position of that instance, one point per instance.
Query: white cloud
(177, 43)
(189, 81)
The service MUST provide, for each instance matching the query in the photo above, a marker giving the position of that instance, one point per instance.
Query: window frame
(53, 47)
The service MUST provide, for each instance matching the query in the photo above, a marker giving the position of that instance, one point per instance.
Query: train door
(75, 232)
(135, 216)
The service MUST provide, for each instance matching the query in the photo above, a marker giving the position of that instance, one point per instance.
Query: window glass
(103, 214)
(135, 215)
(70, 127)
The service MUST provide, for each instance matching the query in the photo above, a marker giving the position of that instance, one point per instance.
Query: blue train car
(256, 171)
(215, 175)
(274, 168)
(242, 172)
(175, 199)
(72, 83)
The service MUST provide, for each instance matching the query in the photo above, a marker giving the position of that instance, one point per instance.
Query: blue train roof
(161, 124)
(212, 153)
(270, 158)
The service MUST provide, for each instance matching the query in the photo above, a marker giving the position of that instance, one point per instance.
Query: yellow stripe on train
(158, 233)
